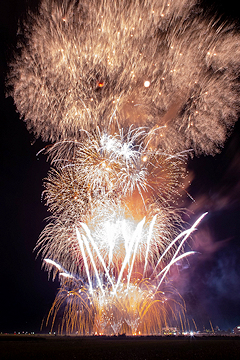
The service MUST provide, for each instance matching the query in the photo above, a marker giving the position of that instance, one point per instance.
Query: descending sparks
(126, 91)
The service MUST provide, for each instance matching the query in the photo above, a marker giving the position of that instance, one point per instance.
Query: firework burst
(155, 63)
(125, 90)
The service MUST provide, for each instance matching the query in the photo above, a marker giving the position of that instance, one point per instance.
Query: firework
(116, 167)
(116, 295)
(126, 91)
(136, 310)
(85, 65)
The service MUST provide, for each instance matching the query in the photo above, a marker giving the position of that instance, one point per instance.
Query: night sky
(209, 284)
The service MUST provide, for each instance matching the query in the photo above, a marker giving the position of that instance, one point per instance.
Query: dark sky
(210, 284)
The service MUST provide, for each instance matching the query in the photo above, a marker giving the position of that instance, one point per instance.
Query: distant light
(146, 83)
(144, 158)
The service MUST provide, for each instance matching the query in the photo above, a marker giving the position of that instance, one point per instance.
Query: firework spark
(126, 91)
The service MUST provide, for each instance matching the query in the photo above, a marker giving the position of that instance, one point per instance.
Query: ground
(119, 348)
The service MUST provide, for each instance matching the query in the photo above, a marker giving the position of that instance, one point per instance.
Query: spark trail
(126, 91)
